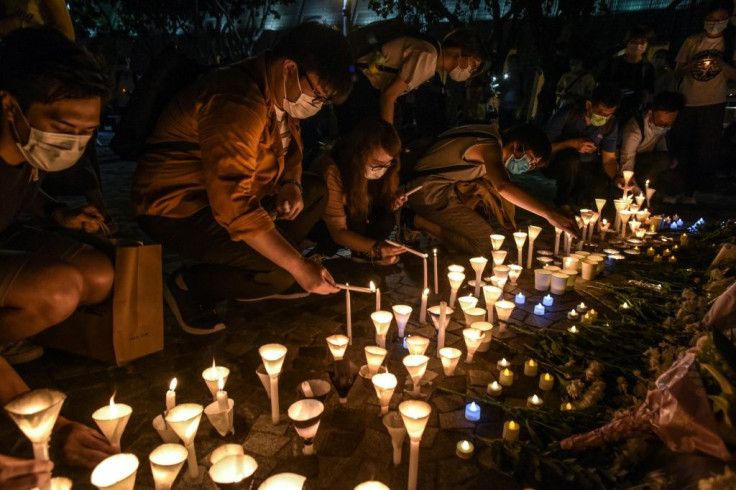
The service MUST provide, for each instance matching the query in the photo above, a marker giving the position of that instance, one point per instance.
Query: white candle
(494, 389)
(506, 377)
(502, 364)
(546, 382)
(548, 300)
(464, 449)
(423, 309)
(349, 313)
(534, 402)
(558, 232)
(510, 431)
(530, 367)
(425, 271)
(436, 277)
(472, 412)
(221, 397)
(520, 299)
(573, 315)
(538, 309)
(441, 328)
(171, 395)
(378, 299)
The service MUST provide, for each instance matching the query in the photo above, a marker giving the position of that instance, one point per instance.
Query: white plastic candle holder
(384, 384)
(416, 366)
(542, 279)
(397, 430)
(166, 463)
(112, 420)
(234, 472)
(35, 414)
(415, 415)
(305, 415)
(401, 314)
(116, 472)
(449, 356)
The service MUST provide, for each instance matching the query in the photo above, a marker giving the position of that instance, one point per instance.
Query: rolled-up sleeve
(629, 144)
(230, 129)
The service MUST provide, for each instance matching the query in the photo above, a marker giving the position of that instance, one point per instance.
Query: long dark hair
(351, 156)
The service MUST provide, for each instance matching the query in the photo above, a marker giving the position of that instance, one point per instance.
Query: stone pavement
(352, 445)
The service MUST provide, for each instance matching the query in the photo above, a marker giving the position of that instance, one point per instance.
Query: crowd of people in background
(227, 163)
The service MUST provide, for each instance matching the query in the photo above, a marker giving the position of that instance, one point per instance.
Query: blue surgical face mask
(518, 166)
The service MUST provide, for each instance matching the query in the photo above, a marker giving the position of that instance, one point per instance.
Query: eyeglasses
(318, 99)
(376, 165)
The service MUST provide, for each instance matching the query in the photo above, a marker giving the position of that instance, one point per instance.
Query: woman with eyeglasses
(362, 176)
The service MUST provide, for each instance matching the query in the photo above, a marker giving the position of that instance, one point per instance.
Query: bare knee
(97, 273)
(58, 294)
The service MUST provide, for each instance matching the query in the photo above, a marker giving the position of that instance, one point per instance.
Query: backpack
(371, 38)
(168, 74)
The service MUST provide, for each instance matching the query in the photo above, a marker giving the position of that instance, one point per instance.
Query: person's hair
(661, 52)
(607, 94)
(716, 5)
(532, 138)
(323, 50)
(40, 65)
(351, 155)
(468, 42)
(668, 102)
(638, 32)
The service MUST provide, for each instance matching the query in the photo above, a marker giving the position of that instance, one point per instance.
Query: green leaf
(721, 404)
(725, 348)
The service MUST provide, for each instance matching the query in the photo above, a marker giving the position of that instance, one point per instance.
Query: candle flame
(172, 385)
(373, 287)
(495, 385)
(547, 376)
(512, 425)
(220, 383)
(465, 445)
(568, 405)
(504, 361)
(506, 372)
(532, 363)
(112, 402)
(647, 183)
(535, 399)
(214, 366)
(434, 251)
(581, 305)
(473, 406)
(605, 221)
(425, 292)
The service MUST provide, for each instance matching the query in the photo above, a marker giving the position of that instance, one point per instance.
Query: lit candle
(558, 232)
(425, 272)
(581, 308)
(628, 174)
(539, 309)
(116, 471)
(464, 449)
(337, 344)
(650, 252)
(273, 360)
(666, 252)
(506, 377)
(494, 389)
(374, 357)
(546, 382)
(436, 277)
(423, 309)
(450, 357)
(675, 248)
(478, 264)
(415, 415)
(658, 258)
(384, 384)
(684, 240)
(472, 412)
(212, 376)
(534, 232)
(171, 395)
(520, 299)
(222, 403)
(502, 364)
(456, 279)
(510, 431)
(441, 328)
(573, 329)
(514, 273)
(473, 338)
(573, 315)
(378, 299)
(417, 345)
(548, 300)
(349, 314)
(112, 420)
(672, 259)
(497, 241)
(381, 321)
(530, 367)
(520, 239)
(604, 228)
(534, 402)
(566, 407)
(402, 314)
(467, 302)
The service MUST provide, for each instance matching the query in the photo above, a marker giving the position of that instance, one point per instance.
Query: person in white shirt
(705, 64)
(644, 145)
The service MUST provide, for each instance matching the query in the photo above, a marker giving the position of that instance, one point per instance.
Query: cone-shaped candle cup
(35, 414)
(455, 268)
(338, 344)
(478, 264)
(265, 379)
(456, 280)
(314, 388)
(501, 272)
(116, 472)
(520, 239)
(416, 365)
(600, 204)
(534, 232)
(491, 294)
(305, 415)
(499, 256)
(184, 420)
(415, 415)
(503, 310)
(59, 483)
(467, 302)
(221, 420)
(224, 451)
(497, 241)
(343, 377)
(624, 216)
(372, 485)
(396, 429)
(434, 314)
(234, 472)
(402, 314)
(628, 174)
(381, 320)
(212, 376)
(473, 337)
(450, 357)
(167, 435)
(374, 357)
(273, 360)
(474, 315)
(112, 419)
(384, 384)
(649, 193)
(166, 462)
(283, 481)
(417, 345)
(486, 328)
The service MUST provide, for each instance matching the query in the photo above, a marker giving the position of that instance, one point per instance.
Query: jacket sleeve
(230, 130)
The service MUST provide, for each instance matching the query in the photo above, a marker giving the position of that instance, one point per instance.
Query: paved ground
(352, 445)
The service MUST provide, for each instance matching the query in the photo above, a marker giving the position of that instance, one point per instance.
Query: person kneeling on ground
(471, 164)
(644, 146)
(221, 179)
(51, 93)
(362, 175)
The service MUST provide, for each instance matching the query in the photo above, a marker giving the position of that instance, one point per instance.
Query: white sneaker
(20, 352)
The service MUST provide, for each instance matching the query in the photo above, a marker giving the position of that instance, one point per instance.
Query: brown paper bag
(126, 326)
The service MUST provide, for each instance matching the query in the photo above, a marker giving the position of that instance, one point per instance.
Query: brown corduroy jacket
(217, 145)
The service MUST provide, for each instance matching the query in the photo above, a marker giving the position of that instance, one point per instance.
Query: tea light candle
(530, 367)
(650, 252)
(472, 412)
(573, 315)
(573, 329)
(171, 395)
(538, 309)
(464, 449)
(502, 364)
(520, 299)
(672, 259)
(506, 377)
(534, 402)
(548, 300)
(494, 389)
(657, 258)
(566, 407)
(510, 431)
(675, 248)
(581, 308)
(666, 252)
(546, 382)
(684, 240)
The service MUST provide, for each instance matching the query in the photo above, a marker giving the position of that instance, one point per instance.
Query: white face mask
(714, 28)
(374, 173)
(460, 74)
(51, 152)
(304, 107)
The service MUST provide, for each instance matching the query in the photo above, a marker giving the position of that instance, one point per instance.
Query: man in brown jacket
(221, 183)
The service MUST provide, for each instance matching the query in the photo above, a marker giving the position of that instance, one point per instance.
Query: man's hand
(390, 253)
(398, 201)
(81, 445)
(23, 474)
(621, 183)
(565, 223)
(88, 218)
(583, 145)
(289, 202)
(315, 279)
